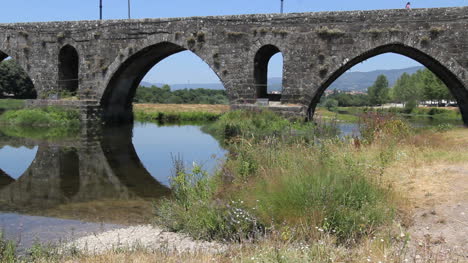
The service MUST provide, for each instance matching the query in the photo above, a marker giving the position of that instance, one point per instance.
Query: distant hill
(350, 81)
(360, 81)
(186, 86)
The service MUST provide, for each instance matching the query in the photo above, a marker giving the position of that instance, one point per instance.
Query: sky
(187, 64)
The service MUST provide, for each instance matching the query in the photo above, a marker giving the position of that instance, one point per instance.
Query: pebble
(143, 236)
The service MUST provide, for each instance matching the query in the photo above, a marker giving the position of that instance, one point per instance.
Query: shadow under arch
(125, 164)
(455, 86)
(117, 97)
(261, 60)
(68, 65)
(5, 179)
(22, 79)
(2, 56)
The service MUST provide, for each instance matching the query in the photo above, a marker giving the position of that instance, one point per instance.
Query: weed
(328, 34)
(194, 210)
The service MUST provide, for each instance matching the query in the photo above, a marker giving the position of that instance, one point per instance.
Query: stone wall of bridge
(113, 56)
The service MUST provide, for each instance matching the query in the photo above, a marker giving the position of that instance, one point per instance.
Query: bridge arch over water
(435, 65)
(126, 73)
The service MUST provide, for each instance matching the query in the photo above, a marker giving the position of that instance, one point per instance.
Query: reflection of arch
(117, 97)
(81, 173)
(68, 63)
(450, 79)
(261, 60)
(5, 179)
(122, 158)
(69, 171)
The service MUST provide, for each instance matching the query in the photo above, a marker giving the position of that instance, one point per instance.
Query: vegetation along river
(52, 190)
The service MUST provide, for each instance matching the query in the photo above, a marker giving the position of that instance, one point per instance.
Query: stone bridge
(104, 61)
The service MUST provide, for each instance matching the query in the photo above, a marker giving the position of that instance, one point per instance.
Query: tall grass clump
(248, 124)
(50, 116)
(7, 250)
(328, 187)
(195, 210)
(258, 125)
(375, 126)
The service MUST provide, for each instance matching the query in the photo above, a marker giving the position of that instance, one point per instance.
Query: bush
(331, 104)
(373, 126)
(50, 116)
(194, 210)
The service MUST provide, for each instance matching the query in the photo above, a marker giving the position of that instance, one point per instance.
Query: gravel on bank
(141, 237)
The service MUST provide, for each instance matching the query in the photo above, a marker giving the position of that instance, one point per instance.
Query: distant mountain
(217, 86)
(360, 81)
(349, 81)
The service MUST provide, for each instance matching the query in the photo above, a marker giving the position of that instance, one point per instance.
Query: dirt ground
(439, 196)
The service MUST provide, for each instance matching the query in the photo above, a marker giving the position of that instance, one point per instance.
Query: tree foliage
(164, 95)
(14, 82)
(379, 92)
(420, 86)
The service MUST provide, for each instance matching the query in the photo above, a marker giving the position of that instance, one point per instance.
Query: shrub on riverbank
(261, 124)
(50, 116)
(283, 184)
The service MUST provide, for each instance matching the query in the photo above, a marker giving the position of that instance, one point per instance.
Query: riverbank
(427, 172)
(393, 195)
(178, 112)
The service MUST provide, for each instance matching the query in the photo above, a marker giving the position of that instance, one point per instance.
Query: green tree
(14, 82)
(407, 89)
(379, 92)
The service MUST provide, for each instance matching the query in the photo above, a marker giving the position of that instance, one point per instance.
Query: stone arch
(261, 60)
(120, 87)
(451, 80)
(68, 69)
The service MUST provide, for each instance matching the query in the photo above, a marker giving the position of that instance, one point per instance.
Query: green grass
(45, 117)
(11, 104)
(7, 250)
(329, 115)
(260, 124)
(433, 112)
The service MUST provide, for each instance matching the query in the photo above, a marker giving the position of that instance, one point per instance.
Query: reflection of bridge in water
(81, 171)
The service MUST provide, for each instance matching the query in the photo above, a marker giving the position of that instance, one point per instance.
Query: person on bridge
(408, 5)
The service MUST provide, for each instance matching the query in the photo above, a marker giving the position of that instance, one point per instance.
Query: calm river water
(109, 181)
